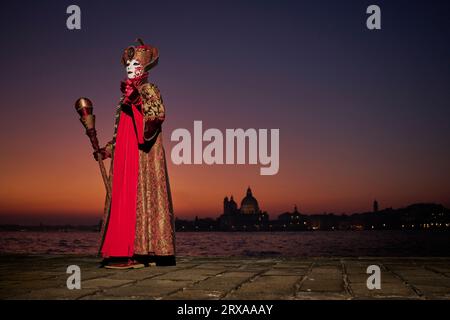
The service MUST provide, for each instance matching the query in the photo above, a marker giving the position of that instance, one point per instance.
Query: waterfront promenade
(228, 278)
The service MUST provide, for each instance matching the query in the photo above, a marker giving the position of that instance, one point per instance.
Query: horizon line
(217, 217)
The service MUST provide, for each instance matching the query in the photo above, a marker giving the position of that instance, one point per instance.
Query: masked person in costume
(138, 228)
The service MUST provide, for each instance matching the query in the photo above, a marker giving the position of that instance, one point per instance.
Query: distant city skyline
(76, 219)
(417, 216)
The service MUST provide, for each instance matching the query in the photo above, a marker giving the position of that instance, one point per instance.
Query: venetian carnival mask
(139, 59)
(134, 69)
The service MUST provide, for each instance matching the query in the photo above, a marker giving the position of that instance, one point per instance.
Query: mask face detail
(134, 69)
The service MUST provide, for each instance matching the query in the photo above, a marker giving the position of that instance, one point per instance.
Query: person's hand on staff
(105, 152)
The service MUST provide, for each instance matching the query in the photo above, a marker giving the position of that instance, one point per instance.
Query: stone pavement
(44, 277)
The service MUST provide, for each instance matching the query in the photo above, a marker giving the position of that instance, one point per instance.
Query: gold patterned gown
(155, 228)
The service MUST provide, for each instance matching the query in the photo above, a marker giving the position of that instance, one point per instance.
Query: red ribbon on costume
(132, 98)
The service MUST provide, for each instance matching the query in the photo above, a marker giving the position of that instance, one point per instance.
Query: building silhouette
(248, 217)
(375, 206)
(292, 220)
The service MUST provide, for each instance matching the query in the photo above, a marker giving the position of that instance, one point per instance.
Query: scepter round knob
(85, 110)
(83, 106)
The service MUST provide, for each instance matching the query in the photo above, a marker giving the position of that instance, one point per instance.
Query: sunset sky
(362, 114)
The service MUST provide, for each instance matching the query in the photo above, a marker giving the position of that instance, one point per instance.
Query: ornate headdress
(145, 54)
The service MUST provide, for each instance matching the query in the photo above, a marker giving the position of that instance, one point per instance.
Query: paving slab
(312, 278)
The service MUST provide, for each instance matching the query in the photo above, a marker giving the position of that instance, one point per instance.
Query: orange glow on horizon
(69, 181)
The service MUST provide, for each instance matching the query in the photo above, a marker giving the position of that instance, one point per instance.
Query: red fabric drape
(120, 236)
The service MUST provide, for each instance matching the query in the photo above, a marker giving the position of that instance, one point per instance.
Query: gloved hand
(131, 94)
(105, 152)
(151, 127)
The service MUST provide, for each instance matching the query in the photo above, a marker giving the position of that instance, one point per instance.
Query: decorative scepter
(85, 110)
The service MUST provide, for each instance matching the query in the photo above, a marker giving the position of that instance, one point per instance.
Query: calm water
(337, 243)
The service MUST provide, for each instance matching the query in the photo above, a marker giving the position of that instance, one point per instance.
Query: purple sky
(362, 114)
